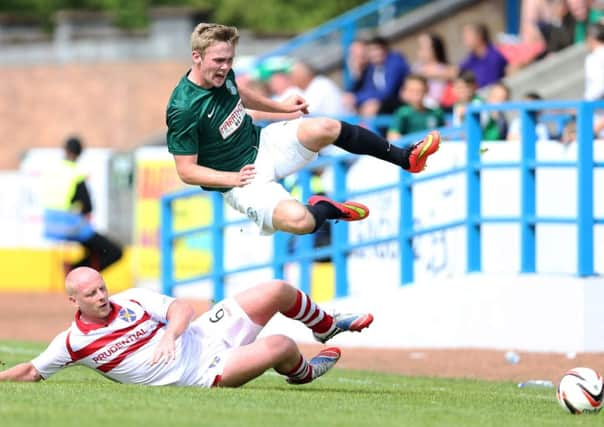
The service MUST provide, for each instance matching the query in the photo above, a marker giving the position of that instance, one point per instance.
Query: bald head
(80, 276)
(302, 74)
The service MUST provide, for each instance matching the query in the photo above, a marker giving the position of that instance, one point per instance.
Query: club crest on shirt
(127, 315)
(231, 87)
(215, 362)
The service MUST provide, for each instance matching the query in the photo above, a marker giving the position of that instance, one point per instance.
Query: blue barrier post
(527, 182)
(512, 16)
(473, 136)
(585, 190)
(405, 228)
(216, 231)
(279, 253)
(348, 34)
(167, 254)
(340, 234)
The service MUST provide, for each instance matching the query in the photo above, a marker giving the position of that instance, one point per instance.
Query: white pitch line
(18, 350)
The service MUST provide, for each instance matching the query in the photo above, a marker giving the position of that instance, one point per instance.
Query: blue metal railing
(341, 247)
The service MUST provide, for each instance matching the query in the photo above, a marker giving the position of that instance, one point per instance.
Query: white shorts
(279, 154)
(223, 328)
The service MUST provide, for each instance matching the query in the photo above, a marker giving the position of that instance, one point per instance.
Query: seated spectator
(356, 64)
(594, 63)
(465, 89)
(594, 71)
(559, 31)
(484, 60)
(514, 130)
(323, 96)
(378, 91)
(414, 116)
(497, 126)
(432, 63)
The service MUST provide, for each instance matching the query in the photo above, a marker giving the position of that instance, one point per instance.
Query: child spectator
(465, 88)
(497, 126)
(541, 129)
(414, 116)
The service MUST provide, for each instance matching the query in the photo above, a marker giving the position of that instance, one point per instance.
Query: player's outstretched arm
(273, 117)
(258, 102)
(24, 372)
(191, 173)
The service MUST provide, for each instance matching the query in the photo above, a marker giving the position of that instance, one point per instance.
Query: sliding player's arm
(192, 173)
(24, 372)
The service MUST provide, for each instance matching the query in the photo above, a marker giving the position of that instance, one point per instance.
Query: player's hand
(165, 351)
(295, 103)
(246, 175)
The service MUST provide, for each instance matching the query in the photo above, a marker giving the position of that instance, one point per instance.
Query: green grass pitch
(80, 397)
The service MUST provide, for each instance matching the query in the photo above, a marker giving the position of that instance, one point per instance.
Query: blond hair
(204, 35)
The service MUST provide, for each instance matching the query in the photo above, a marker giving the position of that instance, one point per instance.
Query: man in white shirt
(323, 96)
(594, 63)
(594, 71)
(141, 337)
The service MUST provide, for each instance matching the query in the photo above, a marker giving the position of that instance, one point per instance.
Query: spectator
(559, 31)
(432, 63)
(68, 209)
(497, 127)
(484, 60)
(594, 71)
(356, 63)
(514, 130)
(464, 88)
(378, 91)
(323, 96)
(414, 116)
(594, 63)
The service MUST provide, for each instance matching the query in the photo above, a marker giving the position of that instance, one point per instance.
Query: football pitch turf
(79, 397)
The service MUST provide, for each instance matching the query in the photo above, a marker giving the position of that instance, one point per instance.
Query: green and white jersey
(213, 124)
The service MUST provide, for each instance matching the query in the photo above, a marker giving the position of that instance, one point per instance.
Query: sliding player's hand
(246, 175)
(165, 351)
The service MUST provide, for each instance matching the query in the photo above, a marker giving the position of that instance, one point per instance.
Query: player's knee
(293, 218)
(301, 222)
(282, 346)
(328, 128)
(279, 287)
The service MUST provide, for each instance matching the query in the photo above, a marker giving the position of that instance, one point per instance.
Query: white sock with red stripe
(307, 312)
(302, 372)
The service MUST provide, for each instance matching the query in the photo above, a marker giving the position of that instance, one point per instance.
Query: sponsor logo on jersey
(118, 345)
(127, 315)
(233, 121)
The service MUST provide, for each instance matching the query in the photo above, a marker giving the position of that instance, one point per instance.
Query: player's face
(215, 64)
(92, 299)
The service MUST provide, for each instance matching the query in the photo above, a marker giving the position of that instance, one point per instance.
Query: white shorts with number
(223, 328)
(279, 154)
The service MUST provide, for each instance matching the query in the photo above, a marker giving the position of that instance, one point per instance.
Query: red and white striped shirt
(122, 349)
